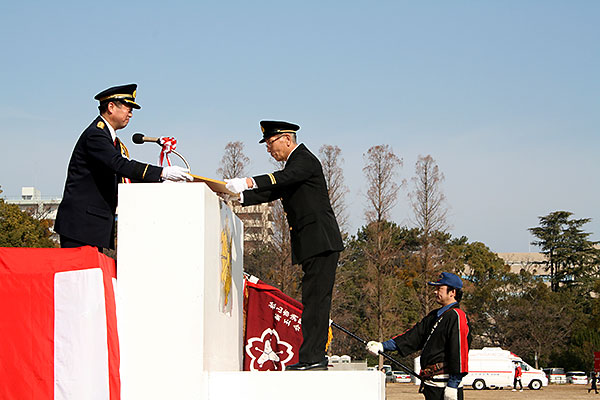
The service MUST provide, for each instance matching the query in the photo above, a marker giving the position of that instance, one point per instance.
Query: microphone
(139, 138)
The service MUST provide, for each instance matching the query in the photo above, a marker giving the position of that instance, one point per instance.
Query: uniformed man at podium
(86, 214)
(314, 232)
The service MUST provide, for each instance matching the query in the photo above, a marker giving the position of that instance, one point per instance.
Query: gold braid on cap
(117, 97)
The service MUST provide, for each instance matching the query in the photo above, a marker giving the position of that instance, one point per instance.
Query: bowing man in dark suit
(314, 232)
(86, 214)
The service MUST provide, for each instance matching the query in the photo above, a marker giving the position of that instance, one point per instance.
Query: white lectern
(179, 305)
(179, 308)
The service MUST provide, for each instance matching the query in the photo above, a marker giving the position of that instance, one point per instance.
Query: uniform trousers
(317, 286)
(68, 243)
(437, 393)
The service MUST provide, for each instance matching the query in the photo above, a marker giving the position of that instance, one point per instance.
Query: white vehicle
(577, 377)
(556, 375)
(492, 367)
(401, 377)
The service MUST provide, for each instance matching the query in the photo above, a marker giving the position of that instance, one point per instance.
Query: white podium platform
(174, 323)
(296, 385)
(180, 329)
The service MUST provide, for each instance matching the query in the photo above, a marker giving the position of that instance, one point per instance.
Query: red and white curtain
(58, 327)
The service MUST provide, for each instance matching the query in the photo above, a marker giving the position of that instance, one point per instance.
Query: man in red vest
(518, 374)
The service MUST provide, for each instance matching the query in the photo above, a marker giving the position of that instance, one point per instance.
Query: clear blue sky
(504, 95)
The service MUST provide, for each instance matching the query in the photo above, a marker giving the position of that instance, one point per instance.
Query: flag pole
(363, 341)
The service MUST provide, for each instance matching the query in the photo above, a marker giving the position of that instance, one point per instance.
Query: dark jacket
(87, 210)
(449, 342)
(302, 189)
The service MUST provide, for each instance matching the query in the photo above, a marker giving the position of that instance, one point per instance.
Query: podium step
(296, 385)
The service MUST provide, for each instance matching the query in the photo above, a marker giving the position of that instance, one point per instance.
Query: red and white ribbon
(168, 145)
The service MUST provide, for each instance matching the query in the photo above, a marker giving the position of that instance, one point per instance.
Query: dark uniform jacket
(87, 210)
(301, 187)
(449, 341)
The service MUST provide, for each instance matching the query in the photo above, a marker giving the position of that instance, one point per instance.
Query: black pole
(363, 341)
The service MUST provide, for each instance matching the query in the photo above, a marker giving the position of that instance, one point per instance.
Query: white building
(258, 223)
(34, 204)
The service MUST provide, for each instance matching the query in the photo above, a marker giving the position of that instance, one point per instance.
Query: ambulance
(493, 367)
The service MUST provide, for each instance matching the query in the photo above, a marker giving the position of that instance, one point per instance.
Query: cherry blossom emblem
(268, 352)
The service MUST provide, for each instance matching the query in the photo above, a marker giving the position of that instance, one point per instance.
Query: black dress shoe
(302, 366)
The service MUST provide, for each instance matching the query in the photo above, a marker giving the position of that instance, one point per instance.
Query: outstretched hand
(375, 347)
(176, 173)
(236, 185)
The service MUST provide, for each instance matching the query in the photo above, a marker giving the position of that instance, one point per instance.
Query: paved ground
(408, 391)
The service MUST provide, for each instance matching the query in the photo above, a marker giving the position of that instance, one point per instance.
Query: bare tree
(331, 161)
(427, 199)
(381, 165)
(429, 207)
(234, 161)
(382, 193)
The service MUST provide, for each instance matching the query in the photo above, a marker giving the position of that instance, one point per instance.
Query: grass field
(409, 391)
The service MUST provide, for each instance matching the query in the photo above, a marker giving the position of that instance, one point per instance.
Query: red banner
(597, 361)
(273, 328)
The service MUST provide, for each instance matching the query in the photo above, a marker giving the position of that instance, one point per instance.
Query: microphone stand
(139, 138)
(180, 156)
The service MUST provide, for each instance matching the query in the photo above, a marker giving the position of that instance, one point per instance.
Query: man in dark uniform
(314, 232)
(444, 338)
(86, 214)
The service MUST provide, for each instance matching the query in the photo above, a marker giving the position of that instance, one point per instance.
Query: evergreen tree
(572, 259)
(18, 229)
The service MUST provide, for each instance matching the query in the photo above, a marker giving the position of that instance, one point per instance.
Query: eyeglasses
(126, 106)
(269, 143)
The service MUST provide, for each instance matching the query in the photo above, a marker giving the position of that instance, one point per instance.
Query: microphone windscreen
(138, 138)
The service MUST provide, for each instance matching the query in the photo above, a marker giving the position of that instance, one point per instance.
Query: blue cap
(448, 279)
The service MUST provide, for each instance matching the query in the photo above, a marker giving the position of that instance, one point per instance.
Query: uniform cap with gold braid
(123, 93)
(272, 128)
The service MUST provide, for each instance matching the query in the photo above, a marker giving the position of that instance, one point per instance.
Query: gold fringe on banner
(329, 338)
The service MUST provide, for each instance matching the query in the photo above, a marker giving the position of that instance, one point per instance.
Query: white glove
(236, 185)
(176, 173)
(450, 393)
(375, 347)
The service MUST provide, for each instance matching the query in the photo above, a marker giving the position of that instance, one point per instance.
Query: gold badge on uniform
(100, 125)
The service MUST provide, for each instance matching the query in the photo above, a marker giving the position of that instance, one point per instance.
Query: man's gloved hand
(176, 173)
(450, 393)
(236, 185)
(375, 347)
